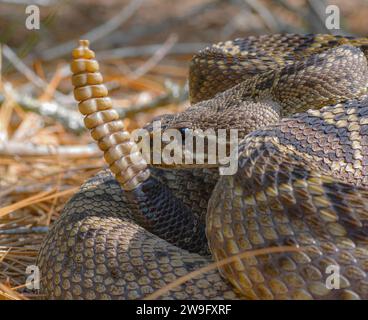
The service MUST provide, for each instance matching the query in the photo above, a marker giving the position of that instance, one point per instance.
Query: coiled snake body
(301, 183)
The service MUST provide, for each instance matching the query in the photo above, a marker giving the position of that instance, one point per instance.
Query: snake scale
(300, 105)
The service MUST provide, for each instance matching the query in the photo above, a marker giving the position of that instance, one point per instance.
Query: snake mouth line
(178, 149)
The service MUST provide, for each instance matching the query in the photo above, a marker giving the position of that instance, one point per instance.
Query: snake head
(206, 134)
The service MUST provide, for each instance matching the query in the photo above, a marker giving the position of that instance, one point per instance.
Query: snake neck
(158, 210)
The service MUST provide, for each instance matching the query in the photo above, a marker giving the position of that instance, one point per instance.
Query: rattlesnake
(302, 183)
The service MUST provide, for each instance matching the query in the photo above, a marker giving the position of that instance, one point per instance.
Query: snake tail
(120, 152)
(144, 192)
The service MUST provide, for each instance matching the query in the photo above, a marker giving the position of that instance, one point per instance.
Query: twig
(292, 8)
(316, 16)
(97, 33)
(5, 114)
(120, 38)
(268, 19)
(31, 124)
(10, 294)
(41, 197)
(25, 230)
(50, 89)
(147, 50)
(1, 65)
(156, 58)
(31, 188)
(174, 94)
(30, 149)
(70, 119)
(22, 67)
(27, 72)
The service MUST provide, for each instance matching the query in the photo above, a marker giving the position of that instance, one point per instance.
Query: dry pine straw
(32, 194)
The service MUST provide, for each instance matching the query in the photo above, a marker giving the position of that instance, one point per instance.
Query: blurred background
(144, 47)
